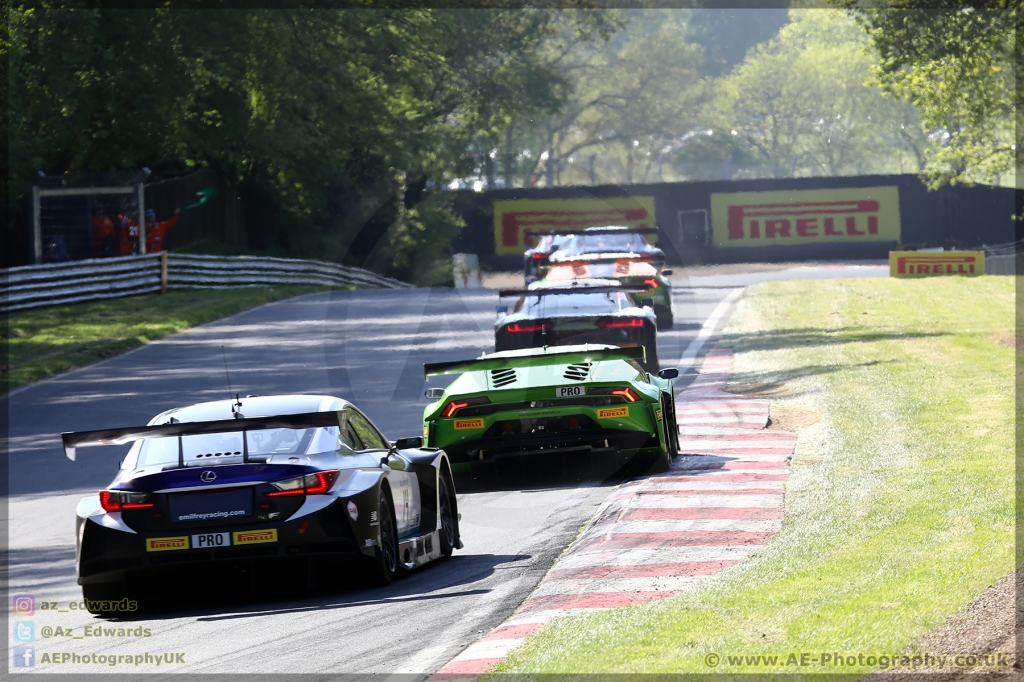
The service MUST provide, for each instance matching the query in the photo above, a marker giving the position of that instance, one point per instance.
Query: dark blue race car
(288, 480)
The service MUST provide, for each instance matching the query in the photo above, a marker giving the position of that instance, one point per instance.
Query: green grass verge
(42, 343)
(900, 503)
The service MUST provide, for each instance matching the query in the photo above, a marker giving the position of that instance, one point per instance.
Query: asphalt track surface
(365, 346)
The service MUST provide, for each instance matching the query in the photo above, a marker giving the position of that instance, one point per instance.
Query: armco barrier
(37, 286)
(1006, 264)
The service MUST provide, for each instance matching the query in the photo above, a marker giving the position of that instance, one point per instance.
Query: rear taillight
(620, 324)
(310, 484)
(516, 328)
(451, 408)
(626, 393)
(652, 283)
(538, 256)
(115, 501)
(454, 406)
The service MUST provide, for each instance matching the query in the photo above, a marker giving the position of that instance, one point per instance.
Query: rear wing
(618, 230)
(502, 293)
(89, 439)
(598, 258)
(546, 356)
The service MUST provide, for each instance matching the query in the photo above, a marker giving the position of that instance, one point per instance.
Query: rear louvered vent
(502, 377)
(577, 372)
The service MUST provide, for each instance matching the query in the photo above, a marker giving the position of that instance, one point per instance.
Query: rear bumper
(626, 442)
(107, 555)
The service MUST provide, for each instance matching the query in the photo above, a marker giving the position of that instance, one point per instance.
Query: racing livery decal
(469, 424)
(913, 264)
(164, 544)
(254, 537)
(613, 412)
(862, 214)
(513, 217)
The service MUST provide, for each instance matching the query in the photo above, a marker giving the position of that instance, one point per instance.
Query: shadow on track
(267, 589)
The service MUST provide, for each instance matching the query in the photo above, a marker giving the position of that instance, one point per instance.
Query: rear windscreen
(573, 304)
(211, 448)
(605, 243)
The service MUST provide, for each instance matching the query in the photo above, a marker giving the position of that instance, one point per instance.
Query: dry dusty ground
(985, 627)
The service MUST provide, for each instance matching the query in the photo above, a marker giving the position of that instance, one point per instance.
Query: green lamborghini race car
(553, 408)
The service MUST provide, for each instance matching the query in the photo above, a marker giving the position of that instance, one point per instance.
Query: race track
(365, 346)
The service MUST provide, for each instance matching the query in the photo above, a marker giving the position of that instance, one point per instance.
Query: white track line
(707, 329)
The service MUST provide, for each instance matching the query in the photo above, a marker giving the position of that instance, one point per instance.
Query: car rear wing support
(549, 356)
(88, 439)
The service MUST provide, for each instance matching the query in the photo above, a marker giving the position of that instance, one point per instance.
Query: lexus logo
(207, 477)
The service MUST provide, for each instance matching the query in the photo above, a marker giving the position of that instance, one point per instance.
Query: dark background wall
(956, 216)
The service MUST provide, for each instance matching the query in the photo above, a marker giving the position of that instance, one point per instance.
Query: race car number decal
(568, 391)
(254, 537)
(469, 424)
(613, 412)
(164, 544)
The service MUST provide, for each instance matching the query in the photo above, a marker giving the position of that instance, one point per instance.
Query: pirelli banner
(813, 216)
(513, 217)
(924, 264)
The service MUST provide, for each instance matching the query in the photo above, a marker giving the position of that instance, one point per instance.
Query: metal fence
(38, 286)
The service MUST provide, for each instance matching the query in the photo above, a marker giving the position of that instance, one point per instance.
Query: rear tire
(385, 564)
(665, 318)
(449, 526)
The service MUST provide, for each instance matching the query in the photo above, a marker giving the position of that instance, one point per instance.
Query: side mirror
(670, 373)
(667, 273)
(434, 393)
(501, 309)
(408, 443)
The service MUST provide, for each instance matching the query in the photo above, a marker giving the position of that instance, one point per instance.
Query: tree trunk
(234, 215)
(489, 170)
(509, 158)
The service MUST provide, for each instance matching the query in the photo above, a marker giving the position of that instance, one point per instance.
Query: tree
(630, 98)
(799, 105)
(957, 63)
(337, 128)
(728, 34)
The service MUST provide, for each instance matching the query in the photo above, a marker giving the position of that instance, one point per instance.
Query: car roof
(253, 406)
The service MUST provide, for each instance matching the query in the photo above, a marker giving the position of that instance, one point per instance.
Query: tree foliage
(956, 62)
(800, 104)
(334, 126)
(629, 98)
(728, 34)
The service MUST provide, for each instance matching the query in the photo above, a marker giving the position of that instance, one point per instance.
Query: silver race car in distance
(230, 485)
(582, 311)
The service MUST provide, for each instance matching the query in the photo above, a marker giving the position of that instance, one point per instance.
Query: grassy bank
(42, 343)
(900, 504)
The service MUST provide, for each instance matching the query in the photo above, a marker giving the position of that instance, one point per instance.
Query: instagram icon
(24, 605)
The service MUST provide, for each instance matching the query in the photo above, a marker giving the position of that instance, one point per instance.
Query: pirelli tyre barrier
(931, 264)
